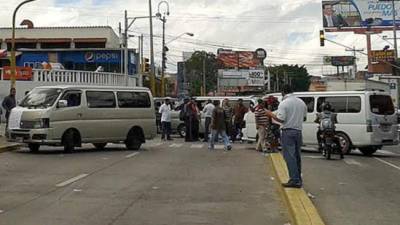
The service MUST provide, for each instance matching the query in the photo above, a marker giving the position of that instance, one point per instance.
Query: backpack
(326, 122)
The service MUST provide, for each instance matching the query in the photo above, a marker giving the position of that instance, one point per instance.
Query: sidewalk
(4, 145)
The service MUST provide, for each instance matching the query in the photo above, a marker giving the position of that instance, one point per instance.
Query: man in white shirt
(292, 112)
(165, 111)
(208, 111)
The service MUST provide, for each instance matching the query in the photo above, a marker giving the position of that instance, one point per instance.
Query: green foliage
(295, 75)
(194, 71)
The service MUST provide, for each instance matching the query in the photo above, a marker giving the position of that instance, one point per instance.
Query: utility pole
(126, 61)
(152, 66)
(354, 50)
(394, 29)
(204, 74)
(164, 20)
(121, 45)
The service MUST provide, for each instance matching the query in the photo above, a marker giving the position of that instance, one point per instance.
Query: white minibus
(71, 115)
(367, 119)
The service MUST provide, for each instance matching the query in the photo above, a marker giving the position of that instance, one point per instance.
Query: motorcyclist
(326, 119)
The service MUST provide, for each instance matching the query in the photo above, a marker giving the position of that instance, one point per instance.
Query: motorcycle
(330, 144)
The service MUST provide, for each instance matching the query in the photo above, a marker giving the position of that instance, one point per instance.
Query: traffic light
(164, 61)
(321, 38)
(146, 65)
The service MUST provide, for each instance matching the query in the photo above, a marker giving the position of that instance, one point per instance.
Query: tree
(194, 72)
(295, 75)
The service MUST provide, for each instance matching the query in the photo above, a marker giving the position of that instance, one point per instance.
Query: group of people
(9, 102)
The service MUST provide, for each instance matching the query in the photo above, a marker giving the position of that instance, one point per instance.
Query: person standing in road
(8, 104)
(238, 116)
(292, 112)
(228, 116)
(261, 124)
(218, 127)
(191, 115)
(208, 111)
(165, 111)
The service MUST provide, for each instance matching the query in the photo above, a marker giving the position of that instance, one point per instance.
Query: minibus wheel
(182, 130)
(345, 142)
(69, 141)
(368, 151)
(134, 139)
(33, 147)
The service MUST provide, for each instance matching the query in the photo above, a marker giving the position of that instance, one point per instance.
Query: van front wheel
(69, 141)
(33, 147)
(368, 151)
(134, 139)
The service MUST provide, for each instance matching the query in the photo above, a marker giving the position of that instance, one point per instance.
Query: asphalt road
(358, 190)
(167, 183)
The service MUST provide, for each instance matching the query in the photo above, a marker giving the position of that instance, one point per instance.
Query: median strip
(72, 180)
(6, 147)
(132, 155)
(301, 209)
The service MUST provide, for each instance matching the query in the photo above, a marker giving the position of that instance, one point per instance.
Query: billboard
(253, 78)
(350, 14)
(382, 55)
(238, 59)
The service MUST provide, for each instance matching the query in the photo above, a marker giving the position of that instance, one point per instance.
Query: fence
(79, 77)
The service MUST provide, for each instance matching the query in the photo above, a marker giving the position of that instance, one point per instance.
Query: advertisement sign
(22, 73)
(250, 77)
(238, 59)
(339, 14)
(342, 60)
(381, 55)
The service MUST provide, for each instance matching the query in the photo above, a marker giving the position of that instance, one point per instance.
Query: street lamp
(163, 20)
(13, 60)
(179, 36)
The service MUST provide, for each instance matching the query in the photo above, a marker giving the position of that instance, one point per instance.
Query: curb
(301, 209)
(9, 147)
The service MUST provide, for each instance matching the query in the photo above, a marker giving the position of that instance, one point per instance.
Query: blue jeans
(292, 141)
(166, 130)
(214, 135)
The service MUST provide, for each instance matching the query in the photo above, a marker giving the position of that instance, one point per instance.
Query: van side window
(133, 100)
(73, 98)
(341, 104)
(309, 103)
(100, 99)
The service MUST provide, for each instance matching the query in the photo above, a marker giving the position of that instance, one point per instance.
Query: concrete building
(76, 48)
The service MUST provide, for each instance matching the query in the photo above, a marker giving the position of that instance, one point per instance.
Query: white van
(71, 115)
(367, 119)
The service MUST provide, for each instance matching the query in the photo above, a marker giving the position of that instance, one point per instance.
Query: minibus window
(309, 103)
(41, 97)
(100, 99)
(381, 104)
(341, 104)
(73, 98)
(134, 100)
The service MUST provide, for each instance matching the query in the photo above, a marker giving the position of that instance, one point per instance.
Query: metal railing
(79, 77)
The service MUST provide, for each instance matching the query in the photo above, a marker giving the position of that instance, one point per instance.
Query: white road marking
(197, 146)
(219, 147)
(72, 180)
(309, 149)
(156, 144)
(387, 163)
(387, 152)
(176, 145)
(132, 155)
(314, 157)
(352, 162)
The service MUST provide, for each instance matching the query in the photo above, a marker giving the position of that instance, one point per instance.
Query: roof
(329, 92)
(60, 28)
(96, 87)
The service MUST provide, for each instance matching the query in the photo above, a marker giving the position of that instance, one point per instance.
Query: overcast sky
(287, 29)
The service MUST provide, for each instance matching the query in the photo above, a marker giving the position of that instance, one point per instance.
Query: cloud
(288, 29)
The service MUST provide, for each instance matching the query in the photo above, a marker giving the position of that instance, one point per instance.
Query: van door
(309, 127)
(383, 119)
(70, 116)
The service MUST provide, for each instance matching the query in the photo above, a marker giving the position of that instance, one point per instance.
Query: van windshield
(381, 104)
(41, 98)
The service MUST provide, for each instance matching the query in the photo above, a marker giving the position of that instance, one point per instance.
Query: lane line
(176, 145)
(132, 155)
(72, 180)
(156, 144)
(385, 152)
(387, 163)
(197, 146)
(351, 162)
(314, 157)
